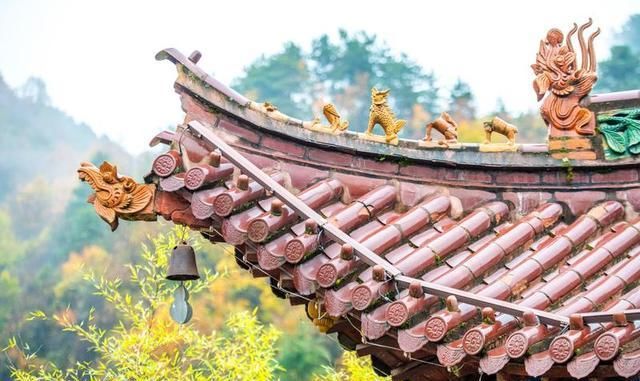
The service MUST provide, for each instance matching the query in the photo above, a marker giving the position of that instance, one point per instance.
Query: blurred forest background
(50, 238)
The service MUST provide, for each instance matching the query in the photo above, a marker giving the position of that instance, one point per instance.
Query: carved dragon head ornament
(116, 196)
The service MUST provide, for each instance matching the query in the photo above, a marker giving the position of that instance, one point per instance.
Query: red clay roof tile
(531, 256)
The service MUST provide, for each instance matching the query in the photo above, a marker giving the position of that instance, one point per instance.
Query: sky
(97, 57)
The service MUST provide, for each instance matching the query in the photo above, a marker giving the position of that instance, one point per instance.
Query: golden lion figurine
(380, 113)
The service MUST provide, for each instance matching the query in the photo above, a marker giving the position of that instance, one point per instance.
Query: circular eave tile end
(164, 165)
(435, 329)
(258, 230)
(361, 297)
(194, 178)
(223, 205)
(397, 314)
(473, 342)
(606, 347)
(516, 345)
(327, 275)
(561, 349)
(294, 251)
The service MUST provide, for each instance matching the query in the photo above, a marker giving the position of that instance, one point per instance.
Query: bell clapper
(181, 310)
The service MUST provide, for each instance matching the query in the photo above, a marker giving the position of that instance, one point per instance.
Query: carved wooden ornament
(117, 196)
(564, 83)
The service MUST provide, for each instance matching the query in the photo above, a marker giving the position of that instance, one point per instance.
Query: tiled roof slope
(438, 263)
(565, 252)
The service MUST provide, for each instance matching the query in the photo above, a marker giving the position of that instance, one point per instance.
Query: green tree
(350, 67)
(145, 345)
(347, 70)
(13, 251)
(461, 102)
(78, 226)
(342, 72)
(31, 207)
(621, 71)
(304, 353)
(281, 79)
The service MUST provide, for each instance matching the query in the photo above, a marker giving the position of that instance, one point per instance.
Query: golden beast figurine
(334, 119)
(501, 127)
(446, 126)
(380, 113)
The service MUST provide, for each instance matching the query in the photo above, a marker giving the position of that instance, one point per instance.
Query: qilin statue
(564, 83)
(117, 196)
(380, 113)
(334, 119)
(501, 127)
(446, 126)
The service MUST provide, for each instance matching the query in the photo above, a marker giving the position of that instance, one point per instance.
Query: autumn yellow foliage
(145, 344)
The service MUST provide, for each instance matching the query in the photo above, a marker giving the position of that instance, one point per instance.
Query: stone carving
(564, 83)
(380, 113)
(446, 126)
(333, 117)
(501, 127)
(117, 196)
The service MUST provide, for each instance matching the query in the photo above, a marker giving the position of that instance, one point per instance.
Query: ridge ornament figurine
(334, 119)
(501, 127)
(446, 126)
(562, 84)
(380, 113)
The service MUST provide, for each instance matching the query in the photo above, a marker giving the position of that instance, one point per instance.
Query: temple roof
(436, 261)
(536, 253)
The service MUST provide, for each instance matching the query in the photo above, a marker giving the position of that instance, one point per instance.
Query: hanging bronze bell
(182, 264)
